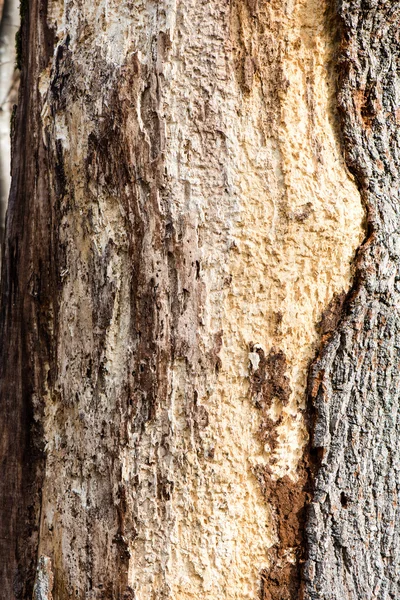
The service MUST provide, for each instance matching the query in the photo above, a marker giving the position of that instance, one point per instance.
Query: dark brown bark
(28, 299)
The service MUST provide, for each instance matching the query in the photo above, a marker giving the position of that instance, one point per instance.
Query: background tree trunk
(9, 23)
(180, 236)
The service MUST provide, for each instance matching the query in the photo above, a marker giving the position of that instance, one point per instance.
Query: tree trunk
(180, 241)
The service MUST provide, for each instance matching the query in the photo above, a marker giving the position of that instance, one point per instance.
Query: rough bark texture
(181, 224)
(354, 522)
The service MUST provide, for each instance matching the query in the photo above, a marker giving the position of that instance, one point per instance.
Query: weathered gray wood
(353, 530)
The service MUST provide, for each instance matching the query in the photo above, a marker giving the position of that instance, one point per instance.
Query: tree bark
(187, 198)
(353, 528)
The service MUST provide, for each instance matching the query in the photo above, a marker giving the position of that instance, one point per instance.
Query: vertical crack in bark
(354, 522)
